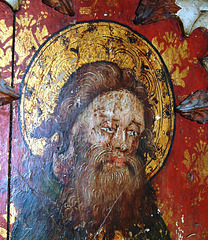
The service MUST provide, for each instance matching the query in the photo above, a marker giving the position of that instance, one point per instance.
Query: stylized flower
(173, 52)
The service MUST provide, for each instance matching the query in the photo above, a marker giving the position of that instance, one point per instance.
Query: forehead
(117, 102)
(116, 105)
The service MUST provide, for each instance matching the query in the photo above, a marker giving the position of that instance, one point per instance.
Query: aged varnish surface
(153, 72)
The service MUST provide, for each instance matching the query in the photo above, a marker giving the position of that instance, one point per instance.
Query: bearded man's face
(107, 172)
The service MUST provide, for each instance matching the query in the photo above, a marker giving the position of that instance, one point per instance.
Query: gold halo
(69, 49)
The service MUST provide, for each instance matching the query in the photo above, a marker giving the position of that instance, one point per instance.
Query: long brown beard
(102, 194)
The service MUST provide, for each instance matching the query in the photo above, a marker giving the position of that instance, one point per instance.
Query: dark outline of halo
(141, 36)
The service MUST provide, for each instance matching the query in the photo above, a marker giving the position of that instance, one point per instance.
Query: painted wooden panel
(181, 184)
(6, 31)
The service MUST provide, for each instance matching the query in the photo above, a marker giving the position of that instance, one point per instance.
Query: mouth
(117, 162)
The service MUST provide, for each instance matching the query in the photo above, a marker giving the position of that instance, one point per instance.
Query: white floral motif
(193, 14)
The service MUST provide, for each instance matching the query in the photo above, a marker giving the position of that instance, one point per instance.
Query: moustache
(101, 157)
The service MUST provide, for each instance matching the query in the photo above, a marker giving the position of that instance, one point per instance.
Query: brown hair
(87, 83)
(82, 87)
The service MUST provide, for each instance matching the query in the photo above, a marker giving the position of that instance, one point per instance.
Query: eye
(108, 129)
(108, 126)
(132, 133)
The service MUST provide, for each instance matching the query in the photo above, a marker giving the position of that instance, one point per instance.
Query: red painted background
(182, 184)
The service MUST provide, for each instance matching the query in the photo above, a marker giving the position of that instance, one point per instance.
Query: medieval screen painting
(100, 144)
(97, 115)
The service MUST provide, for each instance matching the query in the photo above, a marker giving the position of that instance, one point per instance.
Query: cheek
(133, 145)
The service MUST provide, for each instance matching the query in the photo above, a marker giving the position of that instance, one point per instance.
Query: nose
(123, 147)
(120, 142)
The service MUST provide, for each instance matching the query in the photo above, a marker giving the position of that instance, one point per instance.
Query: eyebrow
(117, 120)
(136, 123)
